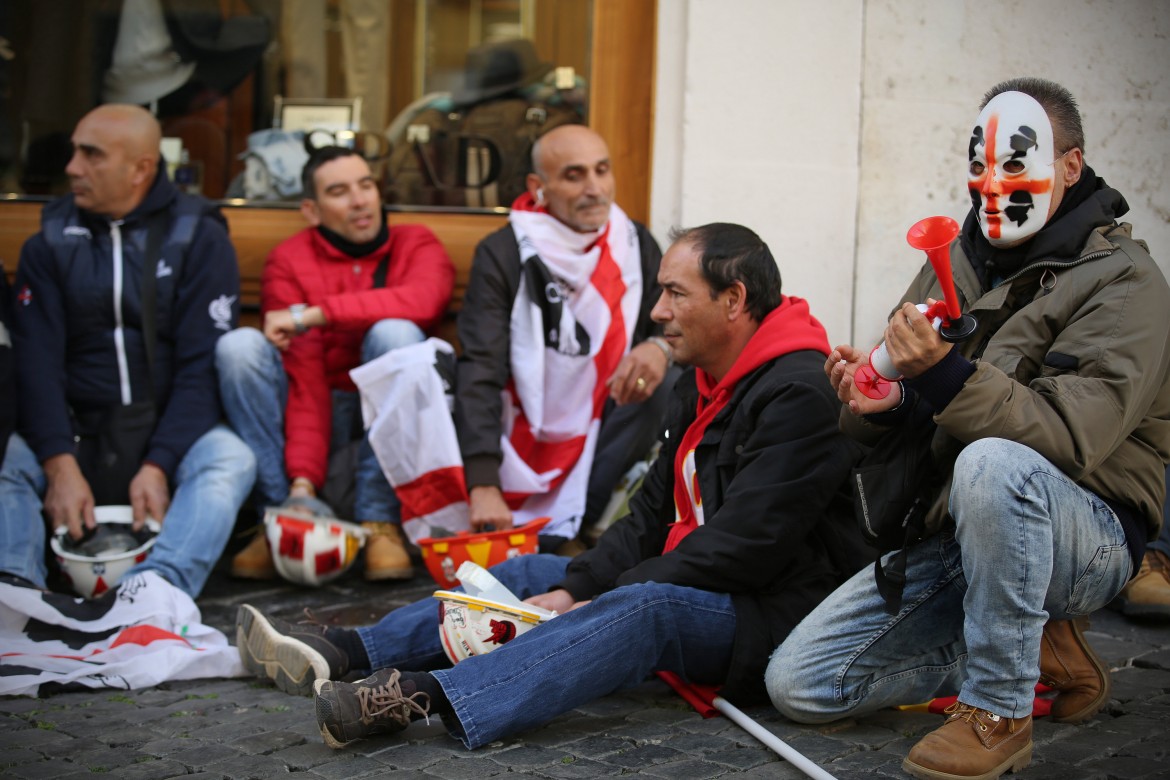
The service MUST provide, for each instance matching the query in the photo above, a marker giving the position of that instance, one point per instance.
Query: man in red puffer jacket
(336, 295)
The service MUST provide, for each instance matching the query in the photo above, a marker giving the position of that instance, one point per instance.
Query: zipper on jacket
(1038, 264)
(119, 330)
(1058, 264)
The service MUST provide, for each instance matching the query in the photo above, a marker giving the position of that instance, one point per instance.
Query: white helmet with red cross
(309, 549)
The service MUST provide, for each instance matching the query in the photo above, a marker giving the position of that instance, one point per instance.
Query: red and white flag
(408, 413)
(572, 321)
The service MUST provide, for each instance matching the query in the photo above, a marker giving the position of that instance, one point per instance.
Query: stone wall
(831, 127)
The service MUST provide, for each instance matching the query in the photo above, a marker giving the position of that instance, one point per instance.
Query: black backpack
(893, 485)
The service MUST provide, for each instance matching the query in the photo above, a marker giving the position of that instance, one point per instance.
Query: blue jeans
(254, 389)
(1028, 544)
(614, 642)
(211, 483)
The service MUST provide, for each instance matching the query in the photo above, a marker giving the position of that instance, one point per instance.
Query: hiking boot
(973, 744)
(1148, 594)
(1069, 665)
(379, 704)
(293, 656)
(254, 562)
(386, 556)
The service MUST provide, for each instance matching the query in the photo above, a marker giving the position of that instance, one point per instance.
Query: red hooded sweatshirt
(790, 327)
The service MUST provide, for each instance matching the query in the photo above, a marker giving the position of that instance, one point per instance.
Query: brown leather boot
(386, 556)
(254, 562)
(1148, 594)
(1068, 664)
(973, 744)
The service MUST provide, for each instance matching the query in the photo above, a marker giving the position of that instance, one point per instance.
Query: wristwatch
(297, 310)
(662, 344)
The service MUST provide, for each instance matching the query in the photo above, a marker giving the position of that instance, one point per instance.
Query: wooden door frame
(621, 94)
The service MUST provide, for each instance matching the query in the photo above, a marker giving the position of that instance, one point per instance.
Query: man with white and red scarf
(741, 527)
(555, 386)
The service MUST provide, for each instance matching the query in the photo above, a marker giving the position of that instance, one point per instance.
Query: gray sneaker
(379, 704)
(292, 655)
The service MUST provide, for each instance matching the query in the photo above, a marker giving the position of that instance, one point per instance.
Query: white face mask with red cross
(1010, 168)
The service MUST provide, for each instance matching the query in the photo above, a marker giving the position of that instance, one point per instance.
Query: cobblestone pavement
(245, 728)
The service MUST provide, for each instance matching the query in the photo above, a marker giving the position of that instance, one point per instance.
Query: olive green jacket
(1075, 366)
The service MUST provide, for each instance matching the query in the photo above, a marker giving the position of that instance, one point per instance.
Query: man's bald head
(137, 127)
(115, 159)
(572, 177)
(556, 141)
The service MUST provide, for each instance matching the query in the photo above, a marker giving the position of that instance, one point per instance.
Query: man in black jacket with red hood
(738, 531)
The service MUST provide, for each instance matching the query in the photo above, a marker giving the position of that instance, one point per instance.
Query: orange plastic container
(442, 555)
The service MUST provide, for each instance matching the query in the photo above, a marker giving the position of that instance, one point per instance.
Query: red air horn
(932, 235)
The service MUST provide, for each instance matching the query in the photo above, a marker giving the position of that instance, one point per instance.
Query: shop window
(444, 97)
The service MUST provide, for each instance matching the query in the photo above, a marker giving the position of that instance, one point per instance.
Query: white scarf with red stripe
(560, 357)
(572, 321)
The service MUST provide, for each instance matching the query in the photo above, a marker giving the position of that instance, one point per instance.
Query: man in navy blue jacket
(120, 299)
(7, 381)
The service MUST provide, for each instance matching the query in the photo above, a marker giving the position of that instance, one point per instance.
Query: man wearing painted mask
(1053, 430)
(340, 293)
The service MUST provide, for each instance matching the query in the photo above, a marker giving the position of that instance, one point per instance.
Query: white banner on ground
(144, 633)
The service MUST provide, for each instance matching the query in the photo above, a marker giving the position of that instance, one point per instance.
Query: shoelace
(338, 658)
(310, 619)
(973, 715)
(388, 697)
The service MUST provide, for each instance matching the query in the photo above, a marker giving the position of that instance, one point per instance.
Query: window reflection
(469, 146)
(443, 96)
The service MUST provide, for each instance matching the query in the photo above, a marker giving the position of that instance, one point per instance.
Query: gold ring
(641, 383)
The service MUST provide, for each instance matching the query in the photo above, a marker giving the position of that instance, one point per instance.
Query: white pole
(771, 740)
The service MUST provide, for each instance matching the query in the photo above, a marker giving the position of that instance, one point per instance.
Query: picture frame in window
(308, 114)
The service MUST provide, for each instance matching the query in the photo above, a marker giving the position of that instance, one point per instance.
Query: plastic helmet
(444, 554)
(484, 616)
(469, 625)
(310, 549)
(98, 561)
